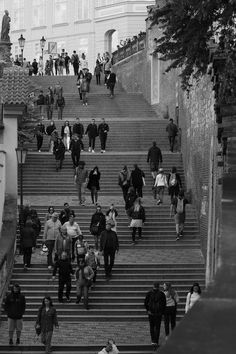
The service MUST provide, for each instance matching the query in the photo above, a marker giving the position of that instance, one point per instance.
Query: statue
(5, 27)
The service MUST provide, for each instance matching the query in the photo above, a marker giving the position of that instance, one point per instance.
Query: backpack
(154, 305)
(173, 180)
(91, 260)
(80, 248)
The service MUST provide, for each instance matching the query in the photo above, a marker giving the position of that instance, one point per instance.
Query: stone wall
(199, 149)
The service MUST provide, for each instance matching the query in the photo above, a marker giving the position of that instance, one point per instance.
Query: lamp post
(21, 42)
(21, 153)
(42, 44)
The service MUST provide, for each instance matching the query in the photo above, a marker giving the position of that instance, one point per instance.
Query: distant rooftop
(14, 86)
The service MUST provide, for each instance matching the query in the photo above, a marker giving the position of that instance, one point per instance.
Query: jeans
(92, 142)
(39, 141)
(172, 142)
(160, 193)
(49, 109)
(170, 318)
(155, 326)
(74, 239)
(59, 164)
(98, 79)
(46, 338)
(50, 246)
(125, 189)
(59, 112)
(14, 325)
(109, 258)
(139, 190)
(94, 194)
(64, 282)
(27, 252)
(103, 139)
(84, 97)
(81, 192)
(82, 288)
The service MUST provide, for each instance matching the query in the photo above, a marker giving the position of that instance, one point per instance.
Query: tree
(188, 26)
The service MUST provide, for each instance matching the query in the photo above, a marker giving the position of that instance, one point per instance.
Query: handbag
(37, 329)
(94, 229)
(44, 250)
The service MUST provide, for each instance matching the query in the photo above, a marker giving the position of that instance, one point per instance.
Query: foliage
(188, 26)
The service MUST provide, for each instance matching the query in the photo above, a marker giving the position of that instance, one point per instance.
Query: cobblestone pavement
(139, 256)
(84, 333)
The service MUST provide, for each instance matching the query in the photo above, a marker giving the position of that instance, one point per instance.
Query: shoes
(86, 104)
(101, 151)
(68, 299)
(10, 342)
(181, 234)
(25, 267)
(89, 150)
(77, 301)
(133, 243)
(18, 341)
(83, 104)
(39, 151)
(158, 202)
(104, 150)
(93, 151)
(177, 238)
(49, 267)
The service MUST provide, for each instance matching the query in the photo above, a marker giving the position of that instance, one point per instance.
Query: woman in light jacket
(172, 300)
(193, 296)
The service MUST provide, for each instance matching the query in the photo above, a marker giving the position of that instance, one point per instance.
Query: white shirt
(191, 299)
(72, 230)
(161, 180)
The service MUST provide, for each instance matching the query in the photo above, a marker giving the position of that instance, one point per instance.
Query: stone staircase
(116, 306)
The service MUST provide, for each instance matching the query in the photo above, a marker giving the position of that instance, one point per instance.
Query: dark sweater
(109, 240)
(64, 268)
(15, 306)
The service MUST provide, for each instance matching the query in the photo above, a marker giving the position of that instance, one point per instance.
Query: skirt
(136, 223)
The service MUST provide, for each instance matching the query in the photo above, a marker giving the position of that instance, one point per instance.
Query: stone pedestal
(5, 55)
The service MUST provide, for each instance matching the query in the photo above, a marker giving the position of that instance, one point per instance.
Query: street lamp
(21, 153)
(21, 42)
(42, 44)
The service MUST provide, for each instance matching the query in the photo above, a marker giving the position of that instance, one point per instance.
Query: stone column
(5, 54)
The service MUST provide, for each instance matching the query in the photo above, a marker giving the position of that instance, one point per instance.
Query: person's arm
(176, 297)
(56, 266)
(23, 304)
(179, 180)
(55, 320)
(117, 243)
(161, 160)
(187, 307)
(146, 301)
(148, 156)
(45, 232)
(78, 230)
(143, 214)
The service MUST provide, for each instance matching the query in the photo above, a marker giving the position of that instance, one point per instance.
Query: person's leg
(157, 327)
(140, 191)
(173, 317)
(19, 326)
(95, 195)
(73, 159)
(93, 143)
(161, 194)
(112, 260)
(97, 79)
(139, 232)
(68, 288)
(50, 246)
(28, 252)
(96, 239)
(73, 248)
(95, 275)
(11, 328)
(181, 229)
(92, 193)
(151, 325)
(134, 233)
(167, 321)
(104, 142)
(83, 186)
(57, 165)
(61, 284)
(48, 340)
(79, 187)
(90, 143)
(105, 256)
(78, 292)
(86, 292)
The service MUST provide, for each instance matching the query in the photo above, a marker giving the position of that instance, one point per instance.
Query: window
(38, 12)
(37, 50)
(18, 14)
(83, 9)
(60, 11)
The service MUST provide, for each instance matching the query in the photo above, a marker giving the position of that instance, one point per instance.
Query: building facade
(89, 26)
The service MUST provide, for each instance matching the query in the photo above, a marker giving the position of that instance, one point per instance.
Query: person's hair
(96, 168)
(154, 143)
(156, 285)
(15, 285)
(174, 169)
(51, 207)
(47, 298)
(171, 120)
(66, 204)
(181, 193)
(91, 247)
(125, 167)
(199, 289)
(28, 222)
(135, 166)
(170, 289)
(71, 214)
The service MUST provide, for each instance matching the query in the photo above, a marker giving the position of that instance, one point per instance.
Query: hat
(160, 170)
(55, 215)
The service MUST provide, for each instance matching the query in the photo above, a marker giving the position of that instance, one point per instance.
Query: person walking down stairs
(81, 178)
(110, 348)
(39, 131)
(51, 231)
(64, 267)
(59, 153)
(103, 129)
(138, 180)
(97, 225)
(92, 131)
(46, 321)
(109, 245)
(137, 215)
(66, 134)
(93, 184)
(83, 276)
(15, 308)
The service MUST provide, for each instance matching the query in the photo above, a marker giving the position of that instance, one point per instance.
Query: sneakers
(49, 267)
(77, 301)
(86, 104)
(68, 299)
(18, 341)
(177, 237)
(39, 151)
(93, 151)
(159, 202)
(89, 149)
(10, 342)
(101, 151)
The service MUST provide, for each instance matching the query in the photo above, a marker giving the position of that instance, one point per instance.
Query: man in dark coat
(39, 131)
(28, 241)
(103, 129)
(154, 157)
(15, 309)
(78, 128)
(76, 146)
(92, 131)
(65, 213)
(155, 304)
(111, 83)
(109, 245)
(98, 219)
(137, 180)
(64, 267)
(172, 131)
